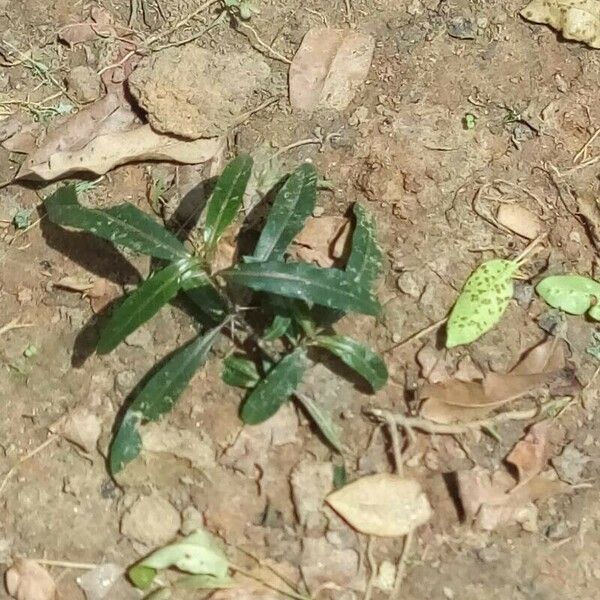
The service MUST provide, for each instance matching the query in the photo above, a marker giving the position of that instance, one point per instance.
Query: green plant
(300, 302)
(574, 294)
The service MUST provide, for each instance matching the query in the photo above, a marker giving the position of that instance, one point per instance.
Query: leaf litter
(27, 580)
(328, 68)
(456, 400)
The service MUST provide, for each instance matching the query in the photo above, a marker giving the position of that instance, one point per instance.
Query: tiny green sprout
(469, 121)
(30, 351)
(484, 299)
(22, 218)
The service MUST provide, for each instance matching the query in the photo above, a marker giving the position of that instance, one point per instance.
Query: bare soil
(434, 184)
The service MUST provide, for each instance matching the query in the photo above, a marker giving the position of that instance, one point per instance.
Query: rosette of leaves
(298, 301)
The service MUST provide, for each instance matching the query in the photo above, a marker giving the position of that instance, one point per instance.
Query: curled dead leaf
(329, 67)
(27, 580)
(457, 400)
(385, 504)
(530, 455)
(493, 500)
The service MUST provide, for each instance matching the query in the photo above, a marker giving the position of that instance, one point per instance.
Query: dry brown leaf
(108, 151)
(329, 67)
(323, 240)
(493, 500)
(110, 113)
(26, 580)
(385, 504)
(530, 455)
(460, 401)
(519, 220)
(578, 20)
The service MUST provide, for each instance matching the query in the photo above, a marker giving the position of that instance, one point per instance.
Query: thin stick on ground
(427, 426)
(27, 457)
(401, 567)
(416, 336)
(581, 154)
(66, 564)
(14, 324)
(275, 54)
(372, 569)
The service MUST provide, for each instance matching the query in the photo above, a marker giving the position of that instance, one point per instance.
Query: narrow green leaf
(203, 295)
(575, 294)
(293, 204)
(240, 372)
(278, 328)
(364, 262)
(322, 420)
(273, 391)
(328, 287)
(226, 199)
(158, 396)
(142, 304)
(482, 302)
(124, 225)
(361, 359)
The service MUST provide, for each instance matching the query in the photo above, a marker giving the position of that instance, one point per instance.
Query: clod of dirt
(311, 482)
(26, 580)
(578, 20)
(328, 68)
(100, 24)
(385, 505)
(462, 28)
(97, 583)
(194, 93)
(249, 450)
(83, 82)
(198, 449)
(323, 563)
(519, 220)
(82, 428)
(570, 464)
(152, 521)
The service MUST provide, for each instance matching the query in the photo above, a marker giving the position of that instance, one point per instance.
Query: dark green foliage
(296, 303)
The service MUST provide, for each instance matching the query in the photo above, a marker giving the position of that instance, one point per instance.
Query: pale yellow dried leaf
(385, 505)
(578, 20)
(114, 149)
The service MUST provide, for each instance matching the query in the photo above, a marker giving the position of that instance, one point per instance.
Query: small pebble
(462, 28)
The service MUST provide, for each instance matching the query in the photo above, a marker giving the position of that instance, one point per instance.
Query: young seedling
(484, 299)
(299, 302)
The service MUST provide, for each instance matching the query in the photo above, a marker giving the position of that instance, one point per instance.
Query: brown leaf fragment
(329, 67)
(530, 455)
